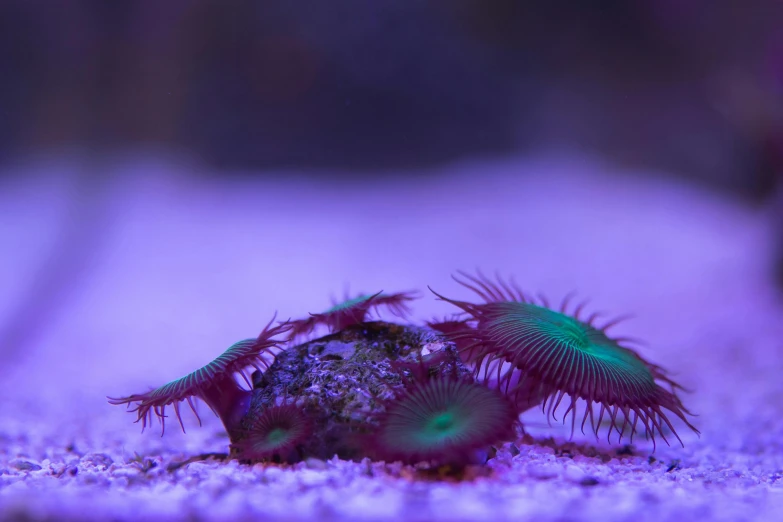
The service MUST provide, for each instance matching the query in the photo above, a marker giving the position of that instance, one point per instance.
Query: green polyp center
(443, 424)
(574, 334)
(276, 436)
(568, 330)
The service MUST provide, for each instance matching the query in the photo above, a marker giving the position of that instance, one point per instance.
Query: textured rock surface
(341, 381)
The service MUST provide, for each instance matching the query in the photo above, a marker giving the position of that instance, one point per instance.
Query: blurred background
(174, 172)
(184, 168)
(690, 87)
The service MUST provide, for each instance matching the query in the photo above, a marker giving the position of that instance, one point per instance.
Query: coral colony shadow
(444, 393)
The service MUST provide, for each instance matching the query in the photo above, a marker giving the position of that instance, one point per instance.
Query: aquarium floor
(179, 269)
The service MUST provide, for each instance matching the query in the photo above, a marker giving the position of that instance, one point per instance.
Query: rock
(25, 465)
(541, 471)
(342, 380)
(273, 473)
(310, 478)
(97, 460)
(574, 474)
(316, 464)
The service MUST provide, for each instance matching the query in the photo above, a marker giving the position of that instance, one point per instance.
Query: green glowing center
(442, 424)
(527, 324)
(276, 436)
(566, 329)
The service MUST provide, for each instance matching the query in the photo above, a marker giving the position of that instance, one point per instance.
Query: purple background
(171, 174)
(185, 266)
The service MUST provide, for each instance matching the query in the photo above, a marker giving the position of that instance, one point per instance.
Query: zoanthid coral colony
(442, 393)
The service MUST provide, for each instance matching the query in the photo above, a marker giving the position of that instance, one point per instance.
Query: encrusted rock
(342, 380)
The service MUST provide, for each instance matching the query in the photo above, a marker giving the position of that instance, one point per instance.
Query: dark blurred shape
(351, 84)
(253, 84)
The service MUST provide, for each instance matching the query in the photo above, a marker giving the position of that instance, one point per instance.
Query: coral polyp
(276, 432)
(353, 311)
(443, 418)
(559, 355)
(214, 383)
(440, 394)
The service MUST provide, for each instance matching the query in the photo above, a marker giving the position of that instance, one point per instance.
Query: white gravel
(189, 267)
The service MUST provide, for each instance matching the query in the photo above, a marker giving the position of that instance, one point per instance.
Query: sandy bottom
(178, 269)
